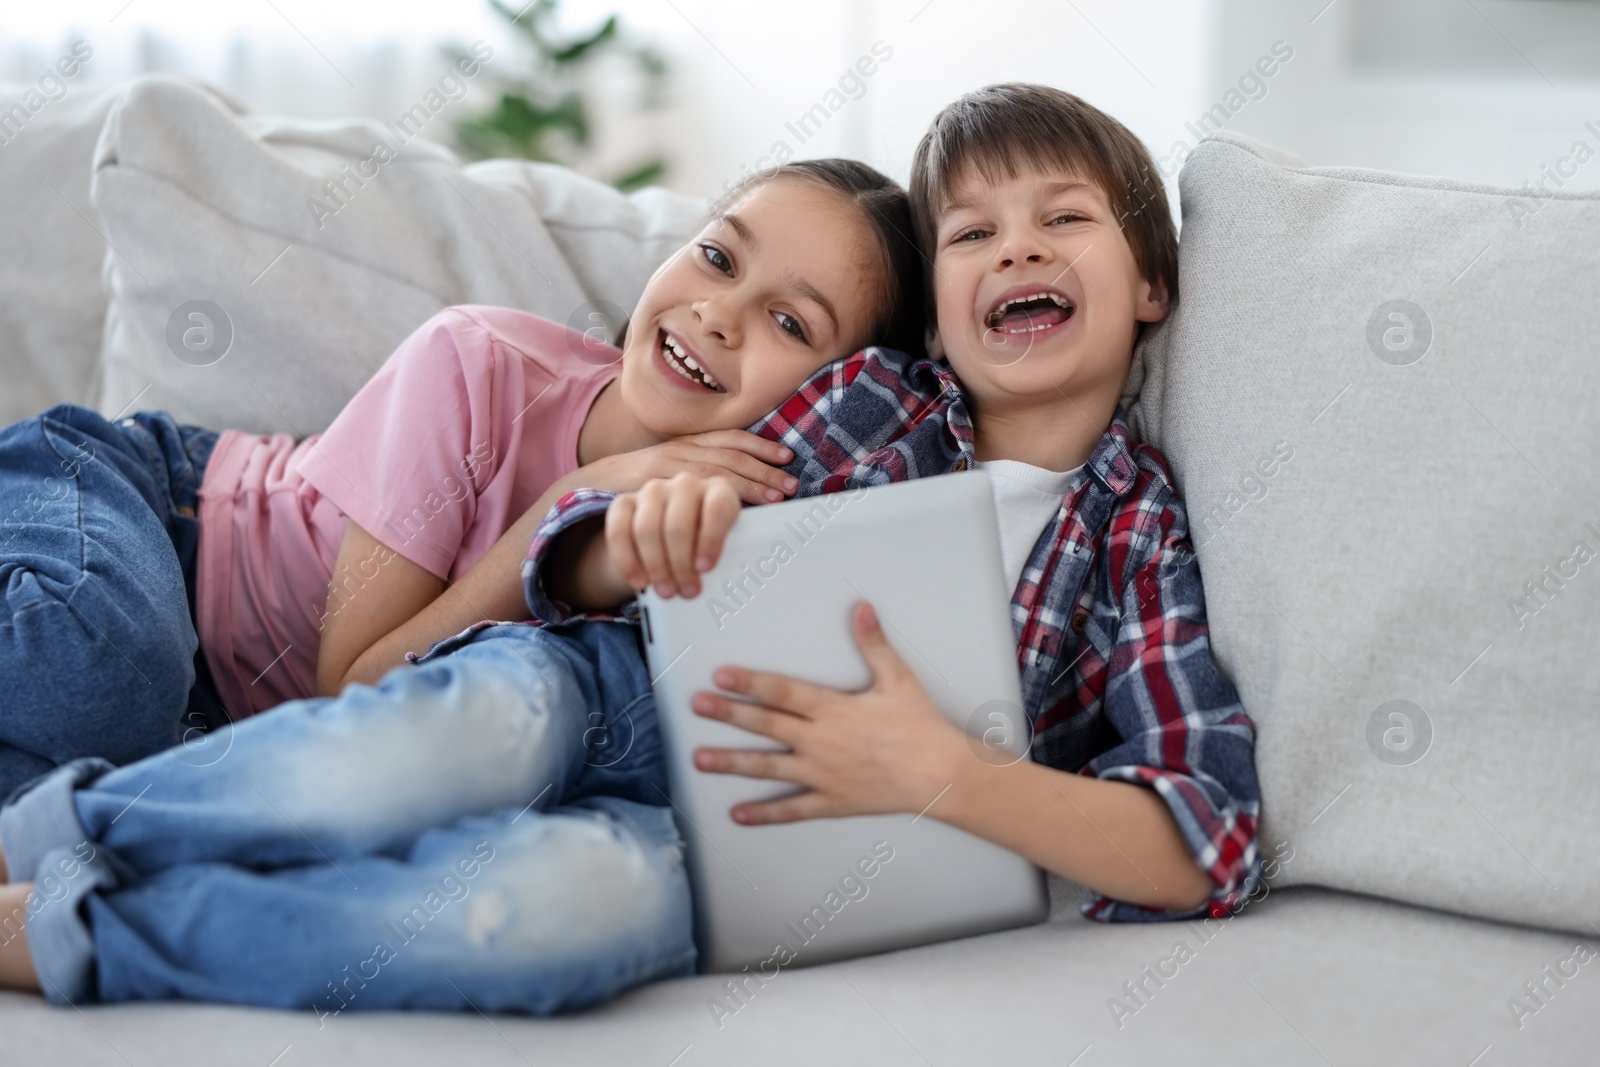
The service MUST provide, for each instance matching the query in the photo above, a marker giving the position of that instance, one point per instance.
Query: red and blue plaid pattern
(1118, 678)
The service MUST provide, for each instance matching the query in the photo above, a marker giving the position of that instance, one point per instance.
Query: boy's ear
(1153, 302)
(934, 346)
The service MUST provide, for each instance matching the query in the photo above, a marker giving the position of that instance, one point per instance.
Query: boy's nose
(1018, 250)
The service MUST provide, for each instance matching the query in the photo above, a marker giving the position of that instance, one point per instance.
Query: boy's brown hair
(1003, 129)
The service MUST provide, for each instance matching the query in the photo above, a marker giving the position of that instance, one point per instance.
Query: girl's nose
(718, 318)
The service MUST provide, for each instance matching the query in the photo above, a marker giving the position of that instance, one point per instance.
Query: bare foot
(16, 962)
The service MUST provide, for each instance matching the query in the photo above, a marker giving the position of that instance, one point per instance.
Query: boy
(1044, 226)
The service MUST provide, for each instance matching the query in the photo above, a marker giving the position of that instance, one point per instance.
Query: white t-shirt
(1026, 498)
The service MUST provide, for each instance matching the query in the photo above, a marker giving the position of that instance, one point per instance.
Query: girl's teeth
(680, 360)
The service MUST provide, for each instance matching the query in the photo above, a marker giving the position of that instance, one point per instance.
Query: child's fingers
(680, 522)
(767, 451)
(748, 491)
(775, 482)
(648, 530)
(619, 541)
(888, 668)
(718, 511)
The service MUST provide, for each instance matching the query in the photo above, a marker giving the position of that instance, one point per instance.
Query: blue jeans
(487, 829)
(98, 537)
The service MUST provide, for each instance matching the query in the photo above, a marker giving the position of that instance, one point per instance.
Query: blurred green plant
(544, 114)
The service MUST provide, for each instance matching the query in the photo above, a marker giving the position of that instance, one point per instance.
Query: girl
(488, 829)
(158, 574)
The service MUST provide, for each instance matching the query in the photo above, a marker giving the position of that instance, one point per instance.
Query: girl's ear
(934, 345)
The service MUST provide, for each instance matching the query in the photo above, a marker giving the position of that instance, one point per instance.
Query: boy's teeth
(1052, 297)
(1060, 309)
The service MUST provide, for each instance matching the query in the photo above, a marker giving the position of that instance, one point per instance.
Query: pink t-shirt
(455, 437)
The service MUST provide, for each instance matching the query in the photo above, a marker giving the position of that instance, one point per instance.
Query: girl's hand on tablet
(750, 463)
(671, 530)
(885, 749)
(590, 573)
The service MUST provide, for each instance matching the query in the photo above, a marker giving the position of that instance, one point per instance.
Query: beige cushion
(1379, 398)
(204, 204)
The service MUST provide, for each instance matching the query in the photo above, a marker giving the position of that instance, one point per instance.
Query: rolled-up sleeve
(1184, 732)
(572, 509)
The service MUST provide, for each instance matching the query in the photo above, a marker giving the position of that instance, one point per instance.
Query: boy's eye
(717, 258)
(971, 233)
(1068, 216)
(790, 325)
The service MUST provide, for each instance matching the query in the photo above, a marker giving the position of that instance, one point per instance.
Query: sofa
(1378, 395)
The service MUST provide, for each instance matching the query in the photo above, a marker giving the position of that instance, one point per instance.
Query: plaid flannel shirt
(1118, 679)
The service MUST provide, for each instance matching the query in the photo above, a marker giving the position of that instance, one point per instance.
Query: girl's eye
(1067, 217)
(790, 325)
(717, 258)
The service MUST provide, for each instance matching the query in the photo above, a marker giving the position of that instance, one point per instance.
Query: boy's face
(1037, 293)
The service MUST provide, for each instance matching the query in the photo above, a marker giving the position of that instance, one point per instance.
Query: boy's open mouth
(1030, 312)
(677, 355)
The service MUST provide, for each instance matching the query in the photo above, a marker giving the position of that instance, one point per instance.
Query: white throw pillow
(244, 294)
(1380, 397)
(54, 309)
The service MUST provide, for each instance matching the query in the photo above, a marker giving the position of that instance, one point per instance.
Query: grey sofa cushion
(305, 291)
(1305, 976)
(54, 308)
(1381, 401)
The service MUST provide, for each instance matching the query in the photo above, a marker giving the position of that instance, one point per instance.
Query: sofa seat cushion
(1305, 976)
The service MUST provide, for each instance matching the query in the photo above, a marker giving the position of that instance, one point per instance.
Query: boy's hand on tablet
(750, 463)
(884, 749)
(671, 530)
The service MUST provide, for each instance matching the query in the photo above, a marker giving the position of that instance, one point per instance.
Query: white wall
(1492, 90)
(315, 58)
(742, 69)
(765, 64)
(1489, 91)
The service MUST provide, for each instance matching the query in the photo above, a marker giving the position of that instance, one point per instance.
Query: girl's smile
(684, 362)
(765, 296)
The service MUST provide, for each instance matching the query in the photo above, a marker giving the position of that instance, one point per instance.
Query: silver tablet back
(926, 554)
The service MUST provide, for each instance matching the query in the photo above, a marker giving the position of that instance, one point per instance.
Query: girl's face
(737, 320)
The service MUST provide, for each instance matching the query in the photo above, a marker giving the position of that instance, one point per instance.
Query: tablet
(926, 555)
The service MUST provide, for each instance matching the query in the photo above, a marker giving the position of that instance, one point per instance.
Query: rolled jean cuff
(42, 817)
(59, 939)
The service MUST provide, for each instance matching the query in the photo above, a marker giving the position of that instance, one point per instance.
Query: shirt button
(1078, 622)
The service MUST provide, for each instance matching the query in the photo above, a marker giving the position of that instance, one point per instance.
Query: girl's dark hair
(901, 321)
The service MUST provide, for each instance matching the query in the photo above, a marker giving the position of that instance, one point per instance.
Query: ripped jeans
(487, 829)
